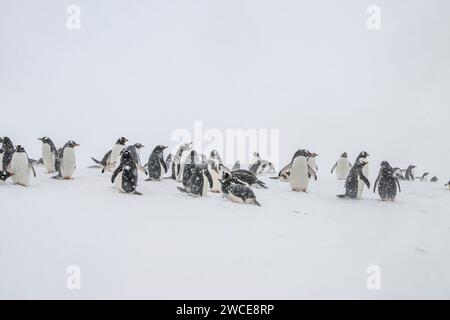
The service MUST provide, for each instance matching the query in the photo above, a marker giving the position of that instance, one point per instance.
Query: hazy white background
(310, 68)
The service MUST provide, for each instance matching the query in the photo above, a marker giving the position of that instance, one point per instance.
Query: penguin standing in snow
(301, 171)
(199, 183)
(126, 174)
(387, 183)
(238, 193)
(67, 160)
(156, 166)
(356, 179)
(215, 169)
(191, 162)
(409, 175)
(135, 150)
(49, 154)
(8, 150)
(20, 167)
(177, 161)
(169, 161)
(342, 167)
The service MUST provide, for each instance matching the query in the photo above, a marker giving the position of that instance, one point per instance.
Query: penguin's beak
(77, 145)
(40, 139)
(165, 147)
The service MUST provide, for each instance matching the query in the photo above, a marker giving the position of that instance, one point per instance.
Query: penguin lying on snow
(342, 167)
(356, 179)
(387, 183)
(238, 193)
(156, 163)
(126, 174)
(244, 177)
(20, 167)
(199, 182)
(176, 161)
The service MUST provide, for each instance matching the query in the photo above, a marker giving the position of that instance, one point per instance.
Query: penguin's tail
(182, 189)
(255, 202)
(342, 196)
(97, 162)
(137, 193)
(59, 177)
(275, 178)
(261, 184)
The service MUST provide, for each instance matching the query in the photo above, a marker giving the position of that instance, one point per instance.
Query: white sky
(311, 69)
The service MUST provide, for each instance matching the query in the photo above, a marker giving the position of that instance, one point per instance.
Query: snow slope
(166, 244)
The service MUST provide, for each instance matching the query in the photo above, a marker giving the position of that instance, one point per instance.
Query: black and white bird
(387, 183)
(238, 193)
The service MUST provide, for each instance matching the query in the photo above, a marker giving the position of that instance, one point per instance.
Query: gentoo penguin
(409, 175)
(448, 185)
(434, 179)
(356, 179)
(256, 158)
(68, 160)
(115, 155)
(284, 173)
(387, 183)
(257, 167)
(364, 154)
(398, 173)
(342, 167)
(156, 163)
(191, 162)
(20, 167)
(49, 154)
(237, 165)
(215, 156)
(199, 183)
(177, 161)
(126, 174)
(244, 177)
(5, 175)
(135, 150)
(105, 160)
(8, 150)
(301, 172)
(215, 169)
(424, 177)
(238, 193)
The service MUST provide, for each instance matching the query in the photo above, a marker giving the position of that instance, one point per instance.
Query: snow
(165, 244)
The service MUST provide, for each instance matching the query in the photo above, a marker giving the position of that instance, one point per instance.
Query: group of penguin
(16, 164)
(199, 174)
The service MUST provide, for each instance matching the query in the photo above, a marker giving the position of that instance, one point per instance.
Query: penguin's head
(313, 154)
(344, 155)
(138, 146)
(44, 139)
(7, 143)
(71, 144)
(362, 158)
(19, 148)
(5, 175)
(122, 141)
(161, 148)
(302, 153)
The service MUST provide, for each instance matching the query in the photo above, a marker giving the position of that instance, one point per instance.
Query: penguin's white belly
(21, 168)
(299, 179)
(118, 182)
(360, 188)
(217, 186)
(115, 153)
(205, 186)
(68, 163)
(234, 198)
(342, 169)
(48, 158)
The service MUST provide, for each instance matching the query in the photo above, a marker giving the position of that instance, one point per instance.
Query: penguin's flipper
(312, 172)
(141, 168)
(334, 167)
(137, 193)
(256, 203)
(275, 178)
(96, 161)
(32, 169)
(261, 184)
(364, 179)
(163, 162)
(116, 172)
(398, 183)
(376, 182)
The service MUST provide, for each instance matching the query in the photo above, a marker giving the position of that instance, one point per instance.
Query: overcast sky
(311, 69)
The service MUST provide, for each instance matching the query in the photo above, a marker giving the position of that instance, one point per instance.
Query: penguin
(49, 154)
(156, 163)
(284, 174)
(256, 158)
(448, 185)
(312, 161)
(115, 155)
(177, 160)
(409, 175)
(238, 193)
(237, 165)
(215, 169)
(257, 167)
(8, 150)
(20, 167)
(268, 167)
(301, 172)
(135, 150)
(387, 183)
(434, 179)
(199, 182)
(364, 155)
(215, 156)
(244, 177)
(125, 176)
(342, 167)
(424, 177)
(4, 175)
(191, 162)
(398, 173)
(68, 160)
(356, 179)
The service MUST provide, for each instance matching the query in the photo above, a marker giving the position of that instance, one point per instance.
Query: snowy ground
(166, 244)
